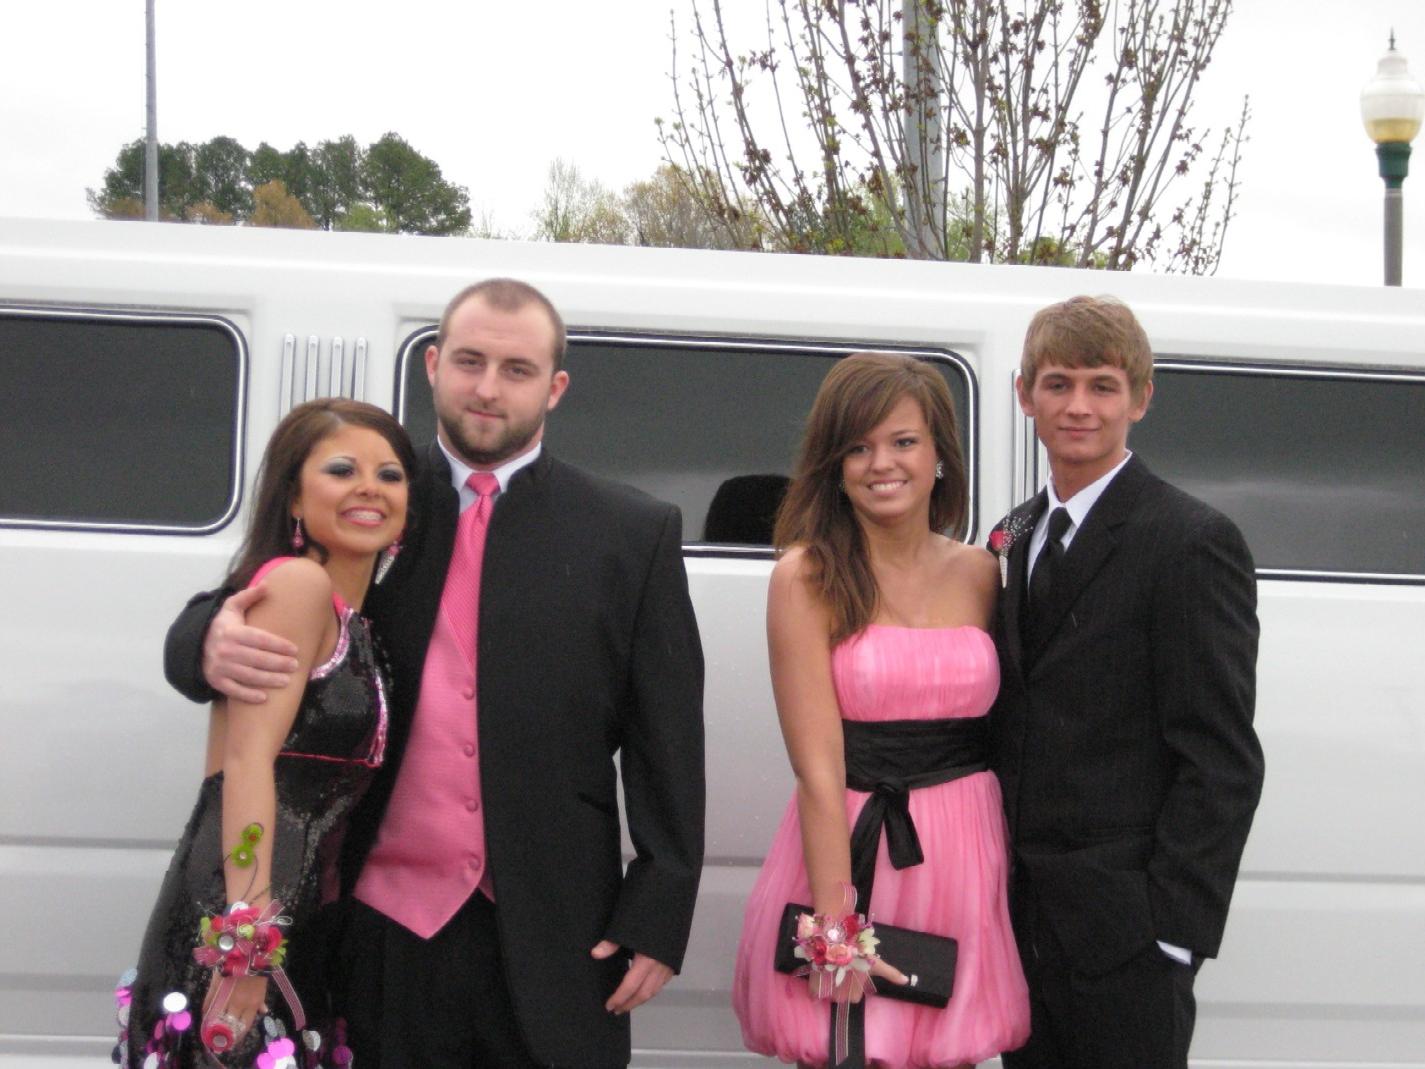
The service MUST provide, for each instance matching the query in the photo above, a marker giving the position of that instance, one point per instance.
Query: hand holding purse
(929, 960)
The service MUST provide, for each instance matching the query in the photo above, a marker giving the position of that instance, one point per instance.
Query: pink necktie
(461, 600)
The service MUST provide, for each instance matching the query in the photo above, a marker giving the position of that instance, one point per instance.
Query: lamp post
(150, 154)
(1392, 107)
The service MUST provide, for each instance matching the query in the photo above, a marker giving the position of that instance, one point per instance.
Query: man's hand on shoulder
(245, 662)
(644, 979)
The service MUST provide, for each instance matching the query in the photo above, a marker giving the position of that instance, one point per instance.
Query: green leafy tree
(363, 218)
(410, 190)
(294, 168)
(338, 185)
(301, 172)
(266, 164)
(335, 191)
(123, 183)
(220, 177)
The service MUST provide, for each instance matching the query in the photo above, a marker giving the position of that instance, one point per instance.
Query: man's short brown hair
(1088, 332)
(507, 295)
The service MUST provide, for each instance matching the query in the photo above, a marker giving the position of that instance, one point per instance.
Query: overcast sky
(493, 94)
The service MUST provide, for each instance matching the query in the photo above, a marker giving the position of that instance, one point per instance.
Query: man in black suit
(492, 921)
(1123, 734)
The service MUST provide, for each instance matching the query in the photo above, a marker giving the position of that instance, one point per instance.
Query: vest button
(468, 693)
(474, 861)
(472, 804)
(469, 749)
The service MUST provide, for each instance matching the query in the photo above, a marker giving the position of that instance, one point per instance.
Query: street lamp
(1392, 107)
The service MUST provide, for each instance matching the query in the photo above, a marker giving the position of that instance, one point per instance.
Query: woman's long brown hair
(857, 395)
(269, 531)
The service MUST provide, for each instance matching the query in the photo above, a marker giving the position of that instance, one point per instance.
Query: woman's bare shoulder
(793, 564)
(297, 591)
(972, 570)
(793, 587)
(977, 561)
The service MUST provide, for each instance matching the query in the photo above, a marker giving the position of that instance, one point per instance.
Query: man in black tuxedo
(1123, 734)
(492, 922)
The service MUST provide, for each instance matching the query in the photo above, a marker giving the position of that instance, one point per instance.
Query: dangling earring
(297, 540)
(388, 558)
(940, 469)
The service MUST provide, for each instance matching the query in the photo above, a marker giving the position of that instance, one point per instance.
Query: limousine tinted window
(118, 421)
(1322, 471)
(711, 426)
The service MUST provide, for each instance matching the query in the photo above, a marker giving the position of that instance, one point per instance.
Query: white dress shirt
(1078, 507)
(461, 471)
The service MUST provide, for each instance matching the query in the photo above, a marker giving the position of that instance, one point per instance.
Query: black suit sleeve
(662, 763)
(1205, 652)
(183, 648)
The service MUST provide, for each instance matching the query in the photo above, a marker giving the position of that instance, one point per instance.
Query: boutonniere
(1002, 539)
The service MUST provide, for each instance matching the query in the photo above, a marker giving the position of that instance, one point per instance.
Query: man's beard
(515, 439)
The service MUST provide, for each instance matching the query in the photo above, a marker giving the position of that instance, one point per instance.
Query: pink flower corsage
(243, 940)
(839, 952)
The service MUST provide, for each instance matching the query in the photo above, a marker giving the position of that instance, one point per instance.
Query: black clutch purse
(929, 960)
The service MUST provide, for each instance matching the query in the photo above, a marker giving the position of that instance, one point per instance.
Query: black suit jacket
(588, 648)
(1124, 742)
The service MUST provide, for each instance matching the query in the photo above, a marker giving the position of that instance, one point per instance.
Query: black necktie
(1050, 562)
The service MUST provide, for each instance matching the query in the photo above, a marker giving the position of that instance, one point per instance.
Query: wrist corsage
(839, 952)
(242, 941)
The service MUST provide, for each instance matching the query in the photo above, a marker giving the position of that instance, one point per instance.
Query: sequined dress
(337, 739)
(890, 673)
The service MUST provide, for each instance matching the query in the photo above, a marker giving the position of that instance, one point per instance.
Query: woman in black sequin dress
(282, 775)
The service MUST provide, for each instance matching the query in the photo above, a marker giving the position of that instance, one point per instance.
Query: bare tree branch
(955, 129)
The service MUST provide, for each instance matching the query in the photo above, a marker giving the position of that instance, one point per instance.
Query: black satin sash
(891, 758)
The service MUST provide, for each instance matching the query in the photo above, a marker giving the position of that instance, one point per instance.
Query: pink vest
(430, 850)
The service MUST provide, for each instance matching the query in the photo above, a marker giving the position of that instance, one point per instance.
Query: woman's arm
(799, 649)
(298, 607)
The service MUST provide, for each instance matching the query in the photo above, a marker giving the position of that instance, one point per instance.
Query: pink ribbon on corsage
(839, 952)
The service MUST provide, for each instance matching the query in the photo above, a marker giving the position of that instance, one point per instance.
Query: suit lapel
(1021, 520)
(1093, 544)
(418, 580)
(443, 514)
(517, 509)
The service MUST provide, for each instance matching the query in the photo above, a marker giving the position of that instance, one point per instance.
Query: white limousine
(143, 367)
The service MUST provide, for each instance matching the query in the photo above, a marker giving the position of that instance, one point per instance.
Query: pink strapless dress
(898, 673)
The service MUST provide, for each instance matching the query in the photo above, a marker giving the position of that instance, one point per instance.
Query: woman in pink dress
(876, 627)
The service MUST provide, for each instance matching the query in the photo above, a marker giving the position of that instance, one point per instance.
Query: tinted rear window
(1324, 472)
(118, 421)
(711, 426)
